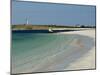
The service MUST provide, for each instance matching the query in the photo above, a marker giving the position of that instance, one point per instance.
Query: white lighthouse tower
(27, 22)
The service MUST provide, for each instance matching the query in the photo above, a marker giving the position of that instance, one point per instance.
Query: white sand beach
(88, 60)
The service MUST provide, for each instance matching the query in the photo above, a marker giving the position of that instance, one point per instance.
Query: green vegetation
(43, 27)
(29, 27)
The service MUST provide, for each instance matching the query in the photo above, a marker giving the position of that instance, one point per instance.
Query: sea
(31, 52)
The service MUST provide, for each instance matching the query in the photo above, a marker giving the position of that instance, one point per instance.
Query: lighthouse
(27, 22)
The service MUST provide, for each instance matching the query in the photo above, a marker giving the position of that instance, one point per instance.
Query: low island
(48, 28)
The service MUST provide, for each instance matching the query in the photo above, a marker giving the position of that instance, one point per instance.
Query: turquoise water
(29, 49)
(37, 44)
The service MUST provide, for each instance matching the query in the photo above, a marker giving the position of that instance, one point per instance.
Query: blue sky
(47, 13)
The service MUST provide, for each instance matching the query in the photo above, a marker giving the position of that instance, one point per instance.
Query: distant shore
(46, 27)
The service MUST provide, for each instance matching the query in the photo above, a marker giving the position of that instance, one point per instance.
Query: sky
(49, 13)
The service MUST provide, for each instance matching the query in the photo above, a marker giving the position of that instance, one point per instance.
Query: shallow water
(29, 50)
